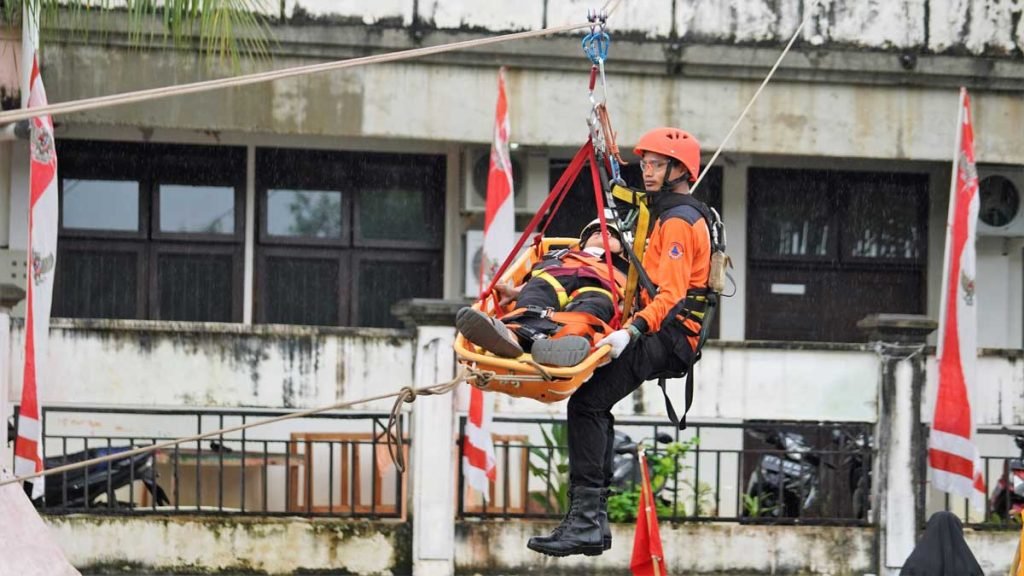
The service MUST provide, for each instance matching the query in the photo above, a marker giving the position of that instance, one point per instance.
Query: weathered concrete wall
(249, 545)
(283, 546)
(213, 365)
(229, 365)
(938, 25)
(499, 548)
(548, 106)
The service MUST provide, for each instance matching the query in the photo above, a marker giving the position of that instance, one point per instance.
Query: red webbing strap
(599, 198)
(561, 187)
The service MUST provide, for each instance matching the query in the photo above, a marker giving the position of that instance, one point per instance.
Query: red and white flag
(648, 557)
(500, 218)
(953, 457)
(499, 239)
(42, 260)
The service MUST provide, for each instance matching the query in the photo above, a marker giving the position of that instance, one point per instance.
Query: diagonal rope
(807, 17)
(405, 395)
(149, 94)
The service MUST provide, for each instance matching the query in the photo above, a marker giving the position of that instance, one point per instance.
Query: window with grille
(150, 231)
(344, 235)
(827, 248)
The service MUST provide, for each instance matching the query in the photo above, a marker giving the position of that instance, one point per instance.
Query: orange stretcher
(522, 377)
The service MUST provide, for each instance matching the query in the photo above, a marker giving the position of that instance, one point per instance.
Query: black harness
(698, 305)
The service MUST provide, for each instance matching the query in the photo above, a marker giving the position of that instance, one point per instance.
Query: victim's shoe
(488, 333)
(561, 352)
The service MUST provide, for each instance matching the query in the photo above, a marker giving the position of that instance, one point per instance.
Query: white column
(5, 377)
(433, 457)
(250, 233)
(897, 475)
(897, 514)
(732, 314)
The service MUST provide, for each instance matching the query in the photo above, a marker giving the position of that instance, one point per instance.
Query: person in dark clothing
(942, 550)
(661, 337)
(567, 280)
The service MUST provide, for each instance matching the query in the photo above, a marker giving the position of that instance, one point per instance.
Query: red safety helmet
(674, 143)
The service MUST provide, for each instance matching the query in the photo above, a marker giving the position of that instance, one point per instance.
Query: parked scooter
(626, 465)
(856, 459)
(783, 485)
(83, 487)
(1008, 498)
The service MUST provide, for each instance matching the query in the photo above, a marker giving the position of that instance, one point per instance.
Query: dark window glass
(802, 284)
(304, 213)
(96, 284)
(195, 287)
(197, 209)
(381, 284)
(885, 218)
(400, 199)
(101, 204)
(791, 218)
(301, 291)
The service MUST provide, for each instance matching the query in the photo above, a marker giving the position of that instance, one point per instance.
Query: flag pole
(645, 492)
(946, 257)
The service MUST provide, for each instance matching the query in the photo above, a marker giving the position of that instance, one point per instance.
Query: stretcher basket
(522, 377)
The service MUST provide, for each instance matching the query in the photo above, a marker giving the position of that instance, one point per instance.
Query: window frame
(260, 284)
(156, 249)
(308, 167)
(151, 164)
(140, 250)
(90, 164)
(433, 260)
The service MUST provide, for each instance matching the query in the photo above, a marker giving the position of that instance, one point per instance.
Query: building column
(433, 458)
(898, 469)
(10, 294)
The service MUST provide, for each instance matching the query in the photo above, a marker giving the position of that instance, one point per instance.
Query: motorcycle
(1007, 499)
(83, 487)
(856, 459)
(626, 464)
(782, 485)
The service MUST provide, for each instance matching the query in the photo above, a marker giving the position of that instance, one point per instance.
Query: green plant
(754, 506)
(662, 466)
(550, 464)
(225, 29)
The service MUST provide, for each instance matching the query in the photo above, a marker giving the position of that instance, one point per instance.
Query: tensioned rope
(146, 95)
(405, 395)
(807, 17)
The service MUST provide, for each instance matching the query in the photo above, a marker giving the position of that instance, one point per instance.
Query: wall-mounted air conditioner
(1001, 210)
(476, 165)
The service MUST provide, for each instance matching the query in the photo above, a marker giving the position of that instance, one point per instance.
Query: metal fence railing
(1002, 458)
(329, 464)
(756, 471)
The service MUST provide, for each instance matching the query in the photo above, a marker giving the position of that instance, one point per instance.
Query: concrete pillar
(433, 458)
(898, 472)
(10, 294)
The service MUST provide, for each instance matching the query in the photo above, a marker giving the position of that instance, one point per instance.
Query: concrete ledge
(248, 545)
(694, 549)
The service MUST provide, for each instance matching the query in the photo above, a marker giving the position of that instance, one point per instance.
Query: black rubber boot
(581, 532)
(606, 531)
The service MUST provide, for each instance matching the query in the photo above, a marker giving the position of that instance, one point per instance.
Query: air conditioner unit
(476, 166)
(1001, 207)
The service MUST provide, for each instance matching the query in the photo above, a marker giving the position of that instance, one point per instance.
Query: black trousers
(590, 420)
(539, 293)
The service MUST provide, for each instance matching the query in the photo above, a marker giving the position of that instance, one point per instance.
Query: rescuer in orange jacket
(660, 338)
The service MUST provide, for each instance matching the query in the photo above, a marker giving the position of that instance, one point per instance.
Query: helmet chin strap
(670, 185)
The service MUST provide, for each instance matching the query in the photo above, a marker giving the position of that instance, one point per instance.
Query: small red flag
(648, 555)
